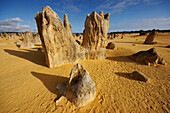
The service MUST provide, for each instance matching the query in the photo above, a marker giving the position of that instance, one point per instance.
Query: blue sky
(18, 15)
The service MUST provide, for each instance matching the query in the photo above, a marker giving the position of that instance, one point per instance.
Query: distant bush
(142, 32)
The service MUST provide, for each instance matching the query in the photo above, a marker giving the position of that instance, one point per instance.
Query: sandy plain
(28, 85)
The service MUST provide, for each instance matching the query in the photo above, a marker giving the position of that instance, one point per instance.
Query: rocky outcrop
(110, 45)
(150, 38)
(56, 37)
(95, 35)
(80, 89)
(59, 45)
(27, 40)
(149, 57)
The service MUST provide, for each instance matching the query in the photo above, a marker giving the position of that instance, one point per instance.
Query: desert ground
(28, 85)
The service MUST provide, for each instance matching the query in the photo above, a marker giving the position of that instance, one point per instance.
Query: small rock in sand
(140, 76)
(17, 42)
(110, 45)
(133, 44)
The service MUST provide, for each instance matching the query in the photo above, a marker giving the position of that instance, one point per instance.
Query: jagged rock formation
(150, 38)
(139, 76)
(95, 35)
(110, 45)
(59, 45)
(149, 57)
(80, 89)
(36, 38)
(27, 40)
(56, 37)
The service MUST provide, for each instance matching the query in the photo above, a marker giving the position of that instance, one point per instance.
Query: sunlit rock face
(149, 57)
(27, 40)
(60, 46)
(80, 89)
(95, 35)
(57, 40)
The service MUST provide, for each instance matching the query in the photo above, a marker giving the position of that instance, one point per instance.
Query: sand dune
(28, 85)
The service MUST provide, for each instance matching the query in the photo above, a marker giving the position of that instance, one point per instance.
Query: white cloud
(115, 7)
(67, 6)
(12, 25)
(14, 20)
(152, 2)
(148, 20)
(146, 23)
(72, 8)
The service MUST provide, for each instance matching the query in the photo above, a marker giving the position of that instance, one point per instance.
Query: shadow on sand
(120, 59)
(50, 81)
(124, 42)
(36, 57)
(128, 76)
(124, 59)
(135, 42)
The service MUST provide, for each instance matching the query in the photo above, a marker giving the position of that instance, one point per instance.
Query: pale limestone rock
(150, 38)
(27, 40)
(56, 37)
(95, 35)
(149, 57)
(36, 39)
(80, 89)
(59, 45)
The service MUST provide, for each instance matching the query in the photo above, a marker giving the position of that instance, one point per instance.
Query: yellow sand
(27, 85)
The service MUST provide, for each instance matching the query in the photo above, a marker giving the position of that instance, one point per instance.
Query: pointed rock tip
(47, 7)
(27, 31)
(94, 12)
(37, 14)
(106, 16)
(101, 12)
(65, 19)
(65, 16)
(79, 65)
